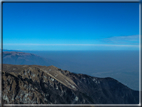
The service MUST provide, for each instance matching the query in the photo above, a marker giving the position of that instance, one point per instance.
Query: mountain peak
(52, 67)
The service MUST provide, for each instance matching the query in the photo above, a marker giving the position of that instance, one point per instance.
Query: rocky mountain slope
(21, 58)
(33, 84)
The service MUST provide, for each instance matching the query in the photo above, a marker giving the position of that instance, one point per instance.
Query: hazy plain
(120, 65)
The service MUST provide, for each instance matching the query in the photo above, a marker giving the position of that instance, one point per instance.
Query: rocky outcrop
(32, 84)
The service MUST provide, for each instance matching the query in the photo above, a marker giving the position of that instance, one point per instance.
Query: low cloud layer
(74, 45)
(134, 39)
(127, 38)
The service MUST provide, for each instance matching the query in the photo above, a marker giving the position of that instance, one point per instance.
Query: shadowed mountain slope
(33, 84)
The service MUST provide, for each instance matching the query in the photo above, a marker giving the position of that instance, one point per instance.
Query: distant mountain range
(21, 58)
(33, 84)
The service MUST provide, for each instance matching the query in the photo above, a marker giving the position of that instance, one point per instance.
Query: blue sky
(71, 26)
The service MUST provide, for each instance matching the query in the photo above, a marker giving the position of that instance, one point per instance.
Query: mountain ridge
(49, 84)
